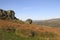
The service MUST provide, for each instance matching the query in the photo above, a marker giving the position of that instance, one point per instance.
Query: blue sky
(33, 9)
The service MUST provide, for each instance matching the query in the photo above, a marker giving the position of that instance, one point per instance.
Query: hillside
(11, 28)
(27, 31)
(51, 22)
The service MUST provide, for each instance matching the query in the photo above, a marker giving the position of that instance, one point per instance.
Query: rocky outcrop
(9, 14)
(29, 21)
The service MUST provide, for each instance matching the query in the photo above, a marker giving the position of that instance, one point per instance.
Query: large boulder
(11, 14)
(3, 14)
(29, 21)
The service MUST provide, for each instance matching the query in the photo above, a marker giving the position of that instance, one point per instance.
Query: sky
(33, 9)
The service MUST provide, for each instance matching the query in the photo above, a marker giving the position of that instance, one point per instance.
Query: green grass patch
(4, 35)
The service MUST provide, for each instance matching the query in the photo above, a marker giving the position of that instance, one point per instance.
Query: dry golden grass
(38, 28)
(29, 27)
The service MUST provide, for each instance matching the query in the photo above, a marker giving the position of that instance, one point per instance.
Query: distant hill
(51, 22)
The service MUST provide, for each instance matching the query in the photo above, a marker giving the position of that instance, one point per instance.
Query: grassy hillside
(11, 28)
(17, 30)
(12, 36)
(50, 22)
